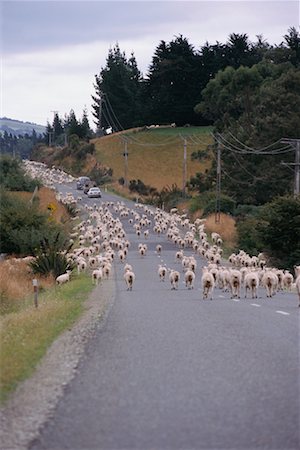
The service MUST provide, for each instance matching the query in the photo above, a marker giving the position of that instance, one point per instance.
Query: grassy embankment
(155, 156)
(26, 331)
(27, 334)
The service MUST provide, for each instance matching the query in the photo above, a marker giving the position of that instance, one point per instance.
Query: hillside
(17, 127)
(154, 156)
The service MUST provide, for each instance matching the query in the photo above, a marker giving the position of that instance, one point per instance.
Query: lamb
(251, 282)
(64, 278)
(208, 283)
(189, 278)
(129, 278)
(97, 275)
(174, 278)
(162, 271)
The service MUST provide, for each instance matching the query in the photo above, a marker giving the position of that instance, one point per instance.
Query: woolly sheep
(97, 275)
(208, 283)
(129, 278)
(189, 279)
(270, 282)
(251, 282)
(64, 278)
(174, 278)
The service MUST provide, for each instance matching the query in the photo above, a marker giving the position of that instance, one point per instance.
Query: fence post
(35, 290)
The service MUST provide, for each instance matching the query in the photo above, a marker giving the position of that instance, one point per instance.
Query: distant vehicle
(94, 192)
(82, 182)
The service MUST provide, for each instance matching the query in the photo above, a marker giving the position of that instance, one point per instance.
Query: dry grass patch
(226, 228)
(16, 284)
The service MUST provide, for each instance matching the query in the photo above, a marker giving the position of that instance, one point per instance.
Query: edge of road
(35, 399)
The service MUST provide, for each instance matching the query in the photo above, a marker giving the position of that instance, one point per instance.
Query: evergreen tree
(172, 86)
(117, 92)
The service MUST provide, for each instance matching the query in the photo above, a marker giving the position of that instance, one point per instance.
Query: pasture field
(154, 156)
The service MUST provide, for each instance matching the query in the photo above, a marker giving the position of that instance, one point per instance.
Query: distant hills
(17, 127)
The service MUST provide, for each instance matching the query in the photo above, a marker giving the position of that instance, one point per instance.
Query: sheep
(251, 282)
(189, 278)
(64, 278)
(298, 287)
(208, 283)
(158, 249)
(174, 278)
(270, 282)
(129, 278)
(162, 271)
(97, 275)
(106, 270)
(235, 281)
(287, 280)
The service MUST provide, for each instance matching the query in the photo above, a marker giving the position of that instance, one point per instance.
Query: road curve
(169, 370)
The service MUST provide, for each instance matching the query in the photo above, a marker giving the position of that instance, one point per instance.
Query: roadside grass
(26, 335)
(227, 230)
(155, 156)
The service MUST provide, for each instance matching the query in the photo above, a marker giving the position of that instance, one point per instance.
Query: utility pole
(218, 186)
(125, 154)
(296, 144)
(100, 131)
(184, 168)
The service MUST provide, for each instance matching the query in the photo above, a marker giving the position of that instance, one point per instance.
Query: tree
(172, 84)
(116, 99)
(254, 107)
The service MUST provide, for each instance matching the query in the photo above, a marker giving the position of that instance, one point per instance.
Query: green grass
(27, 334)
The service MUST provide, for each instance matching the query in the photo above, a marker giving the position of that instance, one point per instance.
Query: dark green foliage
(13, 177)
(273, 229)
(117, 91)
(167, 198)
(207, 202)
(100, 175)
(51, 258)
(254, 107)
(140, 187)
(22, 225)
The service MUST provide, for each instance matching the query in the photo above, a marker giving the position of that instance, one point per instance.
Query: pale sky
(51, 50)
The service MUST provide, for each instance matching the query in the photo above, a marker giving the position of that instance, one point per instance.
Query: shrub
(22, 225)
(13, 177)
(207, 202)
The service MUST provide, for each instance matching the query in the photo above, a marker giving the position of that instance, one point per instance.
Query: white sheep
(129, 278)
(251, 282)
(235, 281)
(97, 275)
(162, 271)
(288, 280)
(174, 278)
(158, 249)
(189, 278)
(270, 282)
(64, 278)
(208, 283)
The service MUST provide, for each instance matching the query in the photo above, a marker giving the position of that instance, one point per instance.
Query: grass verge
(26, 335)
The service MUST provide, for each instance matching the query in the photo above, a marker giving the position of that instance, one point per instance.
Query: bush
(52, 256)
(13, 177)
(22, 225)
(207, 202)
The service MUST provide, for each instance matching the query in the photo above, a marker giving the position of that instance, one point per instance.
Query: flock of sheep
(101, 239)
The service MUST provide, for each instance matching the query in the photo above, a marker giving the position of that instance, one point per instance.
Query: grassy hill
(155, 156)
(17, 127)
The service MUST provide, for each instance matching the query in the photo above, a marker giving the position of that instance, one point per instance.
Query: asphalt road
(168, 370)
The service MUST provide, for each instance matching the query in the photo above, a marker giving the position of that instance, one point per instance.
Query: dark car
(82, 182)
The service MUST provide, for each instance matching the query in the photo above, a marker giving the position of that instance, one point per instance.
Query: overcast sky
(51, 50)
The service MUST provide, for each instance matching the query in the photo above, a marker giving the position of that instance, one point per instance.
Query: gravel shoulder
(34, 401)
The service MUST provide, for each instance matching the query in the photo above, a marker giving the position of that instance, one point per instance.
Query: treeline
(176, 78)
(59, 132)
(21, 145)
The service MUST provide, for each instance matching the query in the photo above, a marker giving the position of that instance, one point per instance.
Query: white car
(94, 192)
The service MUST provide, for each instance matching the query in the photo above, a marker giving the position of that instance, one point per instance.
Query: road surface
(168, 370)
